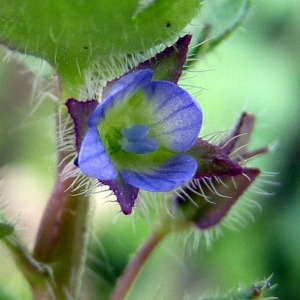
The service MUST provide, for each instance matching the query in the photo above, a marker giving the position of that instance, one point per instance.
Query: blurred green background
(257, 70)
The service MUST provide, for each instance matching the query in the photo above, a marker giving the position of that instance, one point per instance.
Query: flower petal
(126, 194)
(144, 146)
(136, 140)
(123, 89)
(176, 116)
(93, 159)
(166, 177)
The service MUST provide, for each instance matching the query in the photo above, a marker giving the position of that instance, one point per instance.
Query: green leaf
(219, 19)
(73, 35)
(6, 229)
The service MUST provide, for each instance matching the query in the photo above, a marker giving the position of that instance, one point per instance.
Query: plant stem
(61, 240)
(135, 266)
(33, 271)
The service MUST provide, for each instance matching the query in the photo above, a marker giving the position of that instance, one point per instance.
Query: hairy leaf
(73, 35)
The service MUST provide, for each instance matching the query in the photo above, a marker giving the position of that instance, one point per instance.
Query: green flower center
(128, 138)
(121, 124)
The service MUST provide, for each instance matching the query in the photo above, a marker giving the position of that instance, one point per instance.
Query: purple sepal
(166, 65)
(126, 194)
(232, 189)
(238, 140)
(213, 197)
(80, 112)
(213, 161)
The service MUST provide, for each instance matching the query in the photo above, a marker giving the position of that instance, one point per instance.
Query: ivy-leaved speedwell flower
(140, 132)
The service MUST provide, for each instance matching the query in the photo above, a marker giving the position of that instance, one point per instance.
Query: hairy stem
(135, 266)
(62, 236)
(61, 239)
(35, 272)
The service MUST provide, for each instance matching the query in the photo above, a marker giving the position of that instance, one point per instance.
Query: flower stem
(135, 266)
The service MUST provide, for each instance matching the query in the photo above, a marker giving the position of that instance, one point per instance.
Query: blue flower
(141, 133)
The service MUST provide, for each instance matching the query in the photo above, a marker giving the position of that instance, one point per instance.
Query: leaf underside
(73, 35)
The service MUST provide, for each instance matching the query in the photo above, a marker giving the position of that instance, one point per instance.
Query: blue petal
(148, 144)
(136, 140)
(167, 177)
(136, 133)
(123, 89)
(176, 116)
(93, 160)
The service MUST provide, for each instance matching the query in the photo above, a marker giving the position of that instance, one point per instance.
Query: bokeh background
(256, 70)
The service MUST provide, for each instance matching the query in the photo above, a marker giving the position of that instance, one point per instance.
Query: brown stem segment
(62, 237)
(136, 265)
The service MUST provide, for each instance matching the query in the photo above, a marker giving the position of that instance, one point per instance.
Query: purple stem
(135, 266)
(61, 239)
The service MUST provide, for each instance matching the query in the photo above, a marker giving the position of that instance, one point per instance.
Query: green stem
(33, 271)
(135, 266)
